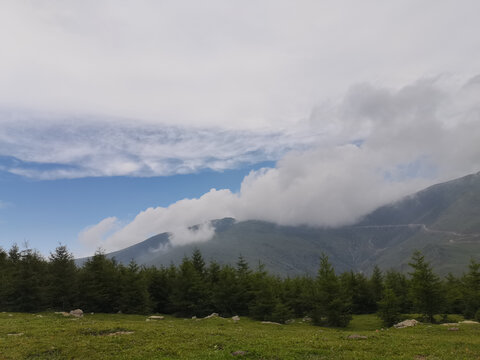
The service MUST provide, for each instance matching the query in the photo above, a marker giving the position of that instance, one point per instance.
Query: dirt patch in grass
(107, 332)
(46, 354)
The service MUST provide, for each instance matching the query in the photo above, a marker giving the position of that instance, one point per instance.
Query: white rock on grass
(406, 323)
(212, 315)
(77, 313)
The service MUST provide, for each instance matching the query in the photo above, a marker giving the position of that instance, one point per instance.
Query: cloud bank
(385, 143)
(248, 64)
(44, 147)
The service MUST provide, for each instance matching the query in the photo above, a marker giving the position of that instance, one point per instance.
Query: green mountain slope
(443, 221)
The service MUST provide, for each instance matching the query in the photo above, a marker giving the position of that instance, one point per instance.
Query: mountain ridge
(443, 221)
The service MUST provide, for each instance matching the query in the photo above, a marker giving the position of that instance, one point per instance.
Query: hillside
(443, 221)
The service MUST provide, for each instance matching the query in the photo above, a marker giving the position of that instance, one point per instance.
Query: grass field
(51, 336)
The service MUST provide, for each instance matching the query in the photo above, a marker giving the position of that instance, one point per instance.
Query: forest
(32, 283)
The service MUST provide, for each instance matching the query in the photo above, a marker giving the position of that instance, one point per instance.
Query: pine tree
(399, 284)
(471, 290)
(266, 296)
(425, 287)
(376, 284)
(160, 284)
(244, 282)
(62, 289)
(190, 293)
(4, 279)
(99, 284)
(333, 305)
(134, 296)
(28, 281)
(198, 262)
(358, 289)
(225, 289)
(389, 307)
(454, 295)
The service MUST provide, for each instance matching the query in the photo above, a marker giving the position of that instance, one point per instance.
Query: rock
(239, 353)
(469, 322)
(307, 319)
(212, 315)
(77, 313)
(453, 329)
(120, 333)
(406, 323)
(147, 319)
(356, 336)
(156, 317)
(236, 318)
(62, 313)
(289, 321)
(15, 334)
(449, 324)
(194, 318)
(270, 322)
(39, 316)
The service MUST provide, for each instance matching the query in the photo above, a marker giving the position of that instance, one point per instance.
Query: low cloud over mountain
(388, 143)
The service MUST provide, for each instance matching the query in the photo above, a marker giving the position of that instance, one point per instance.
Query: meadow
(117, 336)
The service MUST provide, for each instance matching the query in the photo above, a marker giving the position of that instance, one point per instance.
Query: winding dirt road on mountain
(423, 227)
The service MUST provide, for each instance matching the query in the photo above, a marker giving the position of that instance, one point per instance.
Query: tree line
(31, 283)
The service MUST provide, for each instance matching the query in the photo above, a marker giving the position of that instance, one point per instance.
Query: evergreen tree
(62, 290)
(298, 295)
(225, 290)
(245, 292)
(358, 289)
(389, 307)
(4, 279)
(281, 313)
(454, 297)
(160, 284)
(190, 293)
(399, 284)
(376, 284)
(28, 281)
(198, 263)
(99, 284)
(265, 296)
(425, 287)
(333, 305)
(134, 296)
(471, 290)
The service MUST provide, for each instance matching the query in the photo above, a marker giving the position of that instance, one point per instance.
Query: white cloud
(176, 219)
(93, 237)
(245, 64)
(45, 147)
(407, 139)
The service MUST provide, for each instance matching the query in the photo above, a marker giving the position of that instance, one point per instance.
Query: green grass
(55, 337)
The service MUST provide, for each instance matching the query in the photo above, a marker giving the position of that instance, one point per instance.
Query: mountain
(442, 221)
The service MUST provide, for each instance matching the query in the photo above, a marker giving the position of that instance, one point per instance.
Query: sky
(123, 119)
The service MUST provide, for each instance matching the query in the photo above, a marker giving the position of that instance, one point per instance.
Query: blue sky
(118, 119)
(47, 212)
